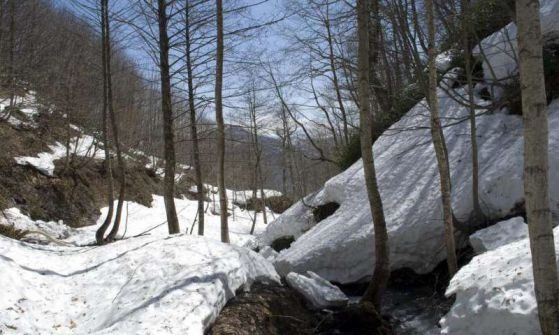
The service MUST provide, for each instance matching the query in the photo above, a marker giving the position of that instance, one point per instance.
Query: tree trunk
(220, 125)
(536, 165)
(116, 141)
(478, 218)
(12, 47)
(168, 132)
(381, 272)
(193, 127)
(439, 144)
(100, 234)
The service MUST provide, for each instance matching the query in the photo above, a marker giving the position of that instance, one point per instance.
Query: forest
(278, 167)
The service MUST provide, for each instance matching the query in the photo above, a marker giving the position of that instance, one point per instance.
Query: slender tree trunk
(12, 47)
(439, 144)
(114, 124)
(381, 272)
(220, 125)
(100, 234)
(193, 127)
(478, 217)
(536, 165)
(168, 131)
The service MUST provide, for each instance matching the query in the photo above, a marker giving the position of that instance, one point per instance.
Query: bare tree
(381, 272)
(193, 127)
(536, 165)
(477, 216)
(439, 143)
(167, 111)
(100, 234)
(220, 125)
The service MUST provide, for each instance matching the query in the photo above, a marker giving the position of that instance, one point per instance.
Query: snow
(145, 285)
(495, 293)
(85, 146)
(444, 60)
(318, 291)
(268, 253)
(340, 248)
(18, 220)
(500, 234)
(500, 50)
(138, 219)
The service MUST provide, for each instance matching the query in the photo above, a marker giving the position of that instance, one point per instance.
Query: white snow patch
(444, 60)
(146, 285)
(500, 234)
(85, 146)
(318, 291)
(495, 293)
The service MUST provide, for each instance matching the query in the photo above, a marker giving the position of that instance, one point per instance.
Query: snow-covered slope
(145, 285)
(495, 294)
(138, 219)
(500, 50)
(340, 248)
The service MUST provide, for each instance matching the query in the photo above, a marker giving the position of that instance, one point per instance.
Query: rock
(502, 233)
(319, 292)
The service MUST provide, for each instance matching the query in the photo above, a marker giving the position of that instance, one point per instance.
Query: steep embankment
(339, 247)
(52, 170)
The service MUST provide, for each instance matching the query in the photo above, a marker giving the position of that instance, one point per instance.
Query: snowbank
(500, 50)
(340, 248)
(500, 234)
(146, 285)
(495, 294)
(319, 293)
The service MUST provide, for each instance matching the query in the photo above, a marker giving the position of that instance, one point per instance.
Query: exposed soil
(279, 310)
(76, 192)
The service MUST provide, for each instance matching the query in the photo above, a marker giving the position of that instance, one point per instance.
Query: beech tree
(381, 271)
(167, 111)
(536, 164)
(439, 143)
(220, 125)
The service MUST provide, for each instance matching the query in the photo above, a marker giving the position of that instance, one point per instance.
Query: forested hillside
(279, 167)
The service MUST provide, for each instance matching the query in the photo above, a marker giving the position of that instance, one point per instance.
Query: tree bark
(167, 111)
(478, 217)
(193, 126)
(11, 60)
(381, 272)
(220, 125)
(116, 141)
(439, 144)
(536, 165)
(100, 234)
